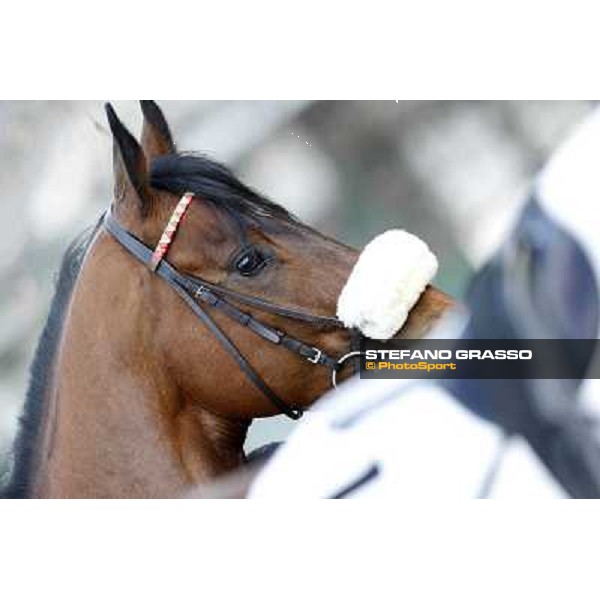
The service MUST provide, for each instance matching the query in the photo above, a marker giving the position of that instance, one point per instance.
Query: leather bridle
(195, 291)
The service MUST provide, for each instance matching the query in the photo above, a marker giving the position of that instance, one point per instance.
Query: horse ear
(129, 165)
(156, 135)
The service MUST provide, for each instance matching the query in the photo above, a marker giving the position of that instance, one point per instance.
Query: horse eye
(250, 262)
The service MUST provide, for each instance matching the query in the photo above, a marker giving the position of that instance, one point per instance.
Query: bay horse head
(196, 305)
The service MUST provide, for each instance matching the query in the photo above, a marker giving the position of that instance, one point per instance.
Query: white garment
(423, 443)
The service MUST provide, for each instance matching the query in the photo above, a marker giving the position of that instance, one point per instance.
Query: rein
(194, 291)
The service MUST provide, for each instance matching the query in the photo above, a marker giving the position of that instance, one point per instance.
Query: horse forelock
(189, 172)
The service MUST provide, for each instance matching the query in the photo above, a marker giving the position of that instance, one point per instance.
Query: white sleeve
(397, 439)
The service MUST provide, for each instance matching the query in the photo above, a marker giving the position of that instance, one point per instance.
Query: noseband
(194, 291)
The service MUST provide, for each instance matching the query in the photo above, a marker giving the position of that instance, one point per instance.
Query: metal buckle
(316, 358)
(340, 364)
(200, 290)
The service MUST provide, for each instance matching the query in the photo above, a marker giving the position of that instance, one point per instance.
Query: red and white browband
(169, 232)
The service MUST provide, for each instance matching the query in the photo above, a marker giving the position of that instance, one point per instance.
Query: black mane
(212, 181)
(40, 376)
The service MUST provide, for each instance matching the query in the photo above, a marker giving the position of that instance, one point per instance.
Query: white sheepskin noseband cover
(386, 282)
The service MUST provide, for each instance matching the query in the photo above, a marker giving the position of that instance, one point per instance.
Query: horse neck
(116, 424)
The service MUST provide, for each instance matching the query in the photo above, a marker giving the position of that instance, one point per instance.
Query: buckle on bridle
(316, 358)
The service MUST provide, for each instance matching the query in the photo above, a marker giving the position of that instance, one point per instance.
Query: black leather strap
(193, 290)
(283, 311)
(310, 353)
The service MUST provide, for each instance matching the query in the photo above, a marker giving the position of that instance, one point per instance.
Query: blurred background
(454, 173)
